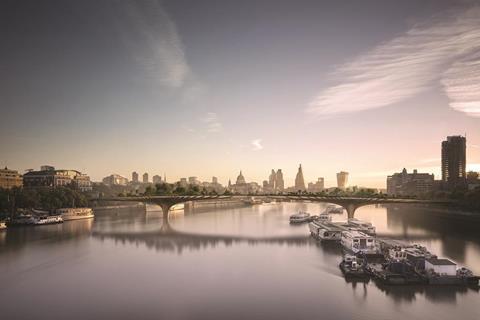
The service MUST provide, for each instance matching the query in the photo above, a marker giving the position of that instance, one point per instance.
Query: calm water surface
(242, 263)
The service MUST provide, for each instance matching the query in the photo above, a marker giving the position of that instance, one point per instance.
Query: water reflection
(15, 238)
(166, 238)
(231, 263)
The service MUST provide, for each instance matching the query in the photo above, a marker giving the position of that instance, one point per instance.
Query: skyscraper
(299, 181)
(280, 184)
(145, 177)
(272, 180)
(342, 179)
(454, 161)
(134, 177)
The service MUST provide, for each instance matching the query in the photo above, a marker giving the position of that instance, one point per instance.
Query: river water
(240, 263)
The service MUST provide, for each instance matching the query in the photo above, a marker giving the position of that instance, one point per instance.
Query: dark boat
(353, 267)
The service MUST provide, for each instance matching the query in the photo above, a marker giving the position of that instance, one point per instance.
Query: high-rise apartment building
(145, 177)
(454, 161)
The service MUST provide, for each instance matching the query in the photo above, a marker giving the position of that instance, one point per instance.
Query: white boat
(47, 220)
(334, 209)
(325, 231)
(300, 217)
(3, 225)
(363, 226)
(324, 217)
(75, 213)
(358, 242)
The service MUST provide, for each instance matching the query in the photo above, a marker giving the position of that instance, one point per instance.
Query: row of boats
(388, 261)
(39, 217)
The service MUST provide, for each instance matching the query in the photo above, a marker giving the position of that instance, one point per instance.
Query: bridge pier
(351, 210)
(165, 205)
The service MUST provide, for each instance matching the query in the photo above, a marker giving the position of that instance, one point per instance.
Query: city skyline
(181, 89)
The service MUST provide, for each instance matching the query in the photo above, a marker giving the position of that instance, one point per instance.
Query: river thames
(237, 263)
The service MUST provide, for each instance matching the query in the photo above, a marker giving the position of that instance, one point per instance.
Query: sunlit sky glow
(208, 88)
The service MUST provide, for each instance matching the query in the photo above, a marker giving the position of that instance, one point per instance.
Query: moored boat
(358, 242)
(353, 266)
(41, 220)
(325, 231)
(363, 226)
(334, 209)
(21, 220)
(3, 225)
(324, 217)
(68, 214)
(300, 217)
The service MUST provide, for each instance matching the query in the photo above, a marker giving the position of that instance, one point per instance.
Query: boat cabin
(442, 267)
(357, 241)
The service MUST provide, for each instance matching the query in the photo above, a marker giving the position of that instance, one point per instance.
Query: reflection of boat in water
(300, 217)
(75, 213)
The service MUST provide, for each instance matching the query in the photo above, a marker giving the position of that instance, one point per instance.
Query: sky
(209, 88)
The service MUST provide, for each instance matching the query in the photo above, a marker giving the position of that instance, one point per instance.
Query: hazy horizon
(208, 89)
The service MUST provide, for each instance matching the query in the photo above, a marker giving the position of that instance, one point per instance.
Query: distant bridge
(348, 203)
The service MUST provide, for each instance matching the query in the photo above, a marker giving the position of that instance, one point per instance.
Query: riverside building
(10, 178)
(48, 176)
(409, 184)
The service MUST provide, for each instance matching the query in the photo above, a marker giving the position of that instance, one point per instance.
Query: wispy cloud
(152, 38)
(212, 122)
(445, 49)
(430, 160)
(257, 144)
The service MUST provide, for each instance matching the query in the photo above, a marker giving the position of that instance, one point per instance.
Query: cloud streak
(212, 122)
(257, 144)
(152, 38)
(445, 49)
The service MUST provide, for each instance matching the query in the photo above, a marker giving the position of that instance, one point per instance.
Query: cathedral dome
(241, 179)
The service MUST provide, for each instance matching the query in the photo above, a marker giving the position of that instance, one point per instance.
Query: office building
(342, 180)
(280, 184)
(299, 181)
(145, 178)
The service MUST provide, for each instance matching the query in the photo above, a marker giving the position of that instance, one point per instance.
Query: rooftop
(441, 262)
